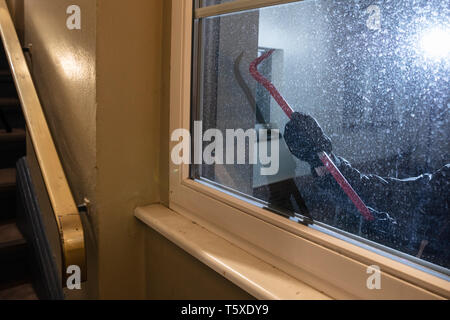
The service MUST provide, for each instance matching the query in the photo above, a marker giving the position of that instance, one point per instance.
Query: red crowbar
(324, 157)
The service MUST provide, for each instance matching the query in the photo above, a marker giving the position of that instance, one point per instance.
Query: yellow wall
(64, 69)
(165, 103)
(105, 91)
(174, 274)
(129, 96)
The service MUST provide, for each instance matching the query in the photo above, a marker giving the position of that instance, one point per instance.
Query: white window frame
(331, 265)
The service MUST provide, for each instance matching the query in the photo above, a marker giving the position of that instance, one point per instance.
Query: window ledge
(258, 278)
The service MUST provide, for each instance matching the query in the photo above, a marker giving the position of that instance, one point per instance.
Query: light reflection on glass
(435, 43)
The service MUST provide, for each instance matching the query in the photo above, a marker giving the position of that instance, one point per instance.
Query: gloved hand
(305, 139)
(384, 230)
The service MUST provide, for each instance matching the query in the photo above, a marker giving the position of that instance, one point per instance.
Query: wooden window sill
(255, 276)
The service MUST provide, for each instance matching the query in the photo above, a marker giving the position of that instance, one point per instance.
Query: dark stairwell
(15, 271)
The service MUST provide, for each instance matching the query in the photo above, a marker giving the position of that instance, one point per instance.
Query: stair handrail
(67, 216)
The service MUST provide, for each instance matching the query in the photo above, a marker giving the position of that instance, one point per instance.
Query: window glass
(369, 82)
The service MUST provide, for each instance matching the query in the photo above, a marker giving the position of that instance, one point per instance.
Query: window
(374, 76)
(369, 76)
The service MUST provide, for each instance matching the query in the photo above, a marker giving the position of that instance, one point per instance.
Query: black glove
(383, 230)
(305, 139)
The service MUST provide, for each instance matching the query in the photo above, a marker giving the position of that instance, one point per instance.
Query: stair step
(7, 179)
(12, 148)
(14, 266)
(8, 88)
(5, 76)
(23, 291)
(10, 235)
(13, 245)
(13, 117)
(17, 135)
(7, 193)
(9, 103)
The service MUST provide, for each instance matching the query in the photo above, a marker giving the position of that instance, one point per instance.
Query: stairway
(15, 275)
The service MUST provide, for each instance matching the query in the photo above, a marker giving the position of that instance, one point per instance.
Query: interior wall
(129, 59)
(105, 92)
(165, 103)
(63, 69)
(16, 8)
(196, 281)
